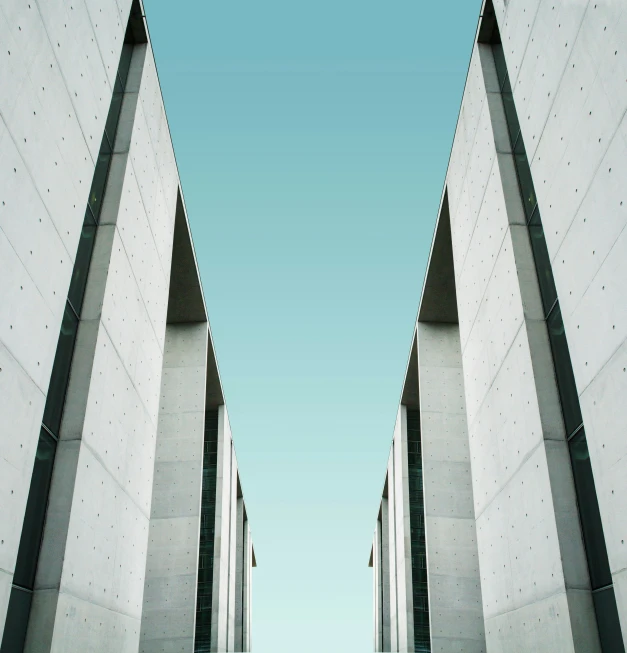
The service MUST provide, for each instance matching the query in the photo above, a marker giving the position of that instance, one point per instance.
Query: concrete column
(405, 609)
(455, 608)
(531, 555)
(169, 605)
(90, 576)
(392, 550)
(377, 588)
(232, 556)
(221, 547)
(386, 623)
(247, 591)
(239, 576)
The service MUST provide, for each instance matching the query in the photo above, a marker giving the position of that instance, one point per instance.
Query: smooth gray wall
(169, 603)
(455, 606)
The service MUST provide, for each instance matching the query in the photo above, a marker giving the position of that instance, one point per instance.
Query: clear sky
(312, 140)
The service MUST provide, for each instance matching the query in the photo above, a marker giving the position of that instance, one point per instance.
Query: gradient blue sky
(312, 141)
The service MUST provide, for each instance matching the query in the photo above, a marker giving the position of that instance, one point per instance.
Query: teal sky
(312, 141)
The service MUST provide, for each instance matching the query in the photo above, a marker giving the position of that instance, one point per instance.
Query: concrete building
(124, 528)
(502, 525)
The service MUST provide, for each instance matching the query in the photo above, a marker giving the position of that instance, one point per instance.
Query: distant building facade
(123, 528)
(502, 522)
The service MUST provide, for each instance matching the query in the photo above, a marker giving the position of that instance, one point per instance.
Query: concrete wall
(225, 565)
(455, 607)
(108, 495)
(523, 490)
(405, 606)
(169, 602)
(51, 123)
(568, 66)
(391, 554)
(577, 134)
(90, 581)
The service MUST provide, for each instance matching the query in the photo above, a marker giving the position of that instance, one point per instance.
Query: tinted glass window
(202, 641)
(511, 117)
(526, 183)
(81, 263)
(100, 178)
(60, 371)
(113, 117)
(499, 60)
(609, 623)
(543, 266)
(589, 512)
(420, 594)
(564, 371)
(125, 63)
(30, 541)
(17, 621)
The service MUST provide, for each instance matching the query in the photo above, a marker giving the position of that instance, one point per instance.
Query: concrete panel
(552, 39)
(455, 606)
(169, 606)
(385, 577)
(391, 550)
(404, 595)
(377, 589)
(231, 606)
(515, 33)
(26, 319)
(594, 230)
(543, 626)
(239, 577)
(603, 408)
(21, 408)
(28, 227)
(221, 547)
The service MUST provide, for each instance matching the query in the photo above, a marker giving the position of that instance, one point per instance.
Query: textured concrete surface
(169, 602)
(568, 66)
(456, 615)
(129, 460)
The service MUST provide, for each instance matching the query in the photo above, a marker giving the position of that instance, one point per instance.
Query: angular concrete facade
(517, 370)
(120, 500)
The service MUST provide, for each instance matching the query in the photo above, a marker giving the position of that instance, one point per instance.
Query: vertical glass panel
(81, 263)
(35, 515)
(125, 62)
(511, 117)
(589, 512)
(60, 371)
(113, 116)
(608, 621)
(564, 371)
(499, 60)
(544, 269)
(100, 178)
(420, 594)
(17, 621)
(202, 642)
(524, 179)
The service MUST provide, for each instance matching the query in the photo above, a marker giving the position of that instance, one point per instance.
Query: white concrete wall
(576, 132)
(169, 602)
(59, 61)
(405, 609)
(99, 591)
(455, 606)
(222, 541)
(248, 585)
(52, 111)
(524, 499)
(377, 589)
